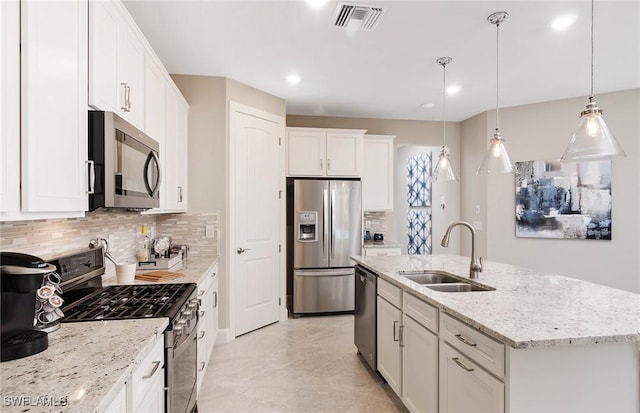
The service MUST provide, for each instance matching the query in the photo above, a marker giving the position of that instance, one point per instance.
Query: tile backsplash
(51, 238)
(377, 220)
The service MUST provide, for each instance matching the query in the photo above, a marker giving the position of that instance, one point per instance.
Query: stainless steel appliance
(87, 300)
(365, 316)
(20, 276)
(124, 164)
(324, 220)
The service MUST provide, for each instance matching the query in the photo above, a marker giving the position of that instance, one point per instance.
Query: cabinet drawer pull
(201, 313)
(202, 364)
(200, 293)
(465, 341)
(395, 323)
(213, 274)
(459, 363)
(215, 300)
(201, 336)
(92, 177)
(401, 336)
(156, 364)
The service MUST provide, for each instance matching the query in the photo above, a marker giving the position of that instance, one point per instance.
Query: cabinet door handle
(321, 164)
(201, 336)
(201, 313)
(200, 293)
(401, 336)
(459, 363)
(213, 274)
(124, 97)
(328, 164)
(156, 364)
(465, 341)
(179, 194)
(92, 177)
(215, 299)
(395, 323)
(202, 364)
(128, 98)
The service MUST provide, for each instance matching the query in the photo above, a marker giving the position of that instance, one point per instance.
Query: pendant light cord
(444, 92)
(592, 7)
(497, 77)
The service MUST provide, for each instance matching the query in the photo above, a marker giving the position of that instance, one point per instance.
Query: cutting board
(158, 275)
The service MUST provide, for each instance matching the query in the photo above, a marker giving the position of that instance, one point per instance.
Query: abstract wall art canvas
(563, 200)
(418, 180)
(419, 231)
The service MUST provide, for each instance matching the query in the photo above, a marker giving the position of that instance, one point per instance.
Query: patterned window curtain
(419, 204)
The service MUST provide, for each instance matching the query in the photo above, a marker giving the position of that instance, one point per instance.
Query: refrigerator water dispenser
(307, 225)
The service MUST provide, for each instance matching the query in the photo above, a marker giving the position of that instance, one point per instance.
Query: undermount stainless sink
(433, 277)
(441, 281)
(458, 287)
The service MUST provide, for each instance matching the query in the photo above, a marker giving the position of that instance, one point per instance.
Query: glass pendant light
(497, 159)
(444, 170)
(592, 141)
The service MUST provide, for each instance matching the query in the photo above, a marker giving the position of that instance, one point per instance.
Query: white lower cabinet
(145, 388)
(208, 322)
(465, 386)
(119, 402)
(389, 351)
(419, 367)
(373, 252)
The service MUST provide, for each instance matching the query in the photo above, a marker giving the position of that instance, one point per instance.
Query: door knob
(241, 250)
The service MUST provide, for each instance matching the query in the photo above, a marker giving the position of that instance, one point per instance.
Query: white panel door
(257, 212)
(54, 105)
(10, 106)
(388, 338)
(344, 154)
(419, 367)
(306, 153)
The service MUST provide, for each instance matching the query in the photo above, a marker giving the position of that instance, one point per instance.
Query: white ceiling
(390, 72)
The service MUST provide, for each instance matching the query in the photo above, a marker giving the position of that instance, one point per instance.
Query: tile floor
(300, 365)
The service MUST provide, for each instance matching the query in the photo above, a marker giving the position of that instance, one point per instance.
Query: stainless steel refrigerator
(324, 228)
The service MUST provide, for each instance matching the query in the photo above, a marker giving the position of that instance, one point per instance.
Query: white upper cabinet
(175, 152)
(324, 152)
(54, 105)
(377, 173)
(154, 97)
(117, 62)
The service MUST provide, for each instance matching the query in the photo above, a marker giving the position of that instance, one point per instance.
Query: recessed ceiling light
(293, 79)
(316, 3)
(563, 22)
(428, 105)
(453, 89)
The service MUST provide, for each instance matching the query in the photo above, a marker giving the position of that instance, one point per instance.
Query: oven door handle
(185, 342)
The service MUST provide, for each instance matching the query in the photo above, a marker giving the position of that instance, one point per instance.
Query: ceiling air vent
(357, 16)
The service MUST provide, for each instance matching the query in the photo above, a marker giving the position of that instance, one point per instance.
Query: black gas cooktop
(122, 302)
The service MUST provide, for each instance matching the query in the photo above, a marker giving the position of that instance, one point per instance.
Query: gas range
(121, 302)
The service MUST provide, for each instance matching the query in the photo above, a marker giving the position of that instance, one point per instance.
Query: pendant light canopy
(444, 170)
(497, 159)
(592, 141)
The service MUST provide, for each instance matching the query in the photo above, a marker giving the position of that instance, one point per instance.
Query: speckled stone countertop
(81, 370)
(381, 244)
(528, 308)
(193, 269)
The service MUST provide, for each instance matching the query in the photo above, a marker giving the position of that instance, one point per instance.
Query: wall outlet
(209, 231)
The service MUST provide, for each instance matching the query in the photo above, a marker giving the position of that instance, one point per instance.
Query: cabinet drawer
(482, 349)
(371, 252)
(423, 313)
(146, 373)
(390, 292)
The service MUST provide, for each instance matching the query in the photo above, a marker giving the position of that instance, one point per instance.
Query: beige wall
(408, 132)
(541, 132)
(208, 167)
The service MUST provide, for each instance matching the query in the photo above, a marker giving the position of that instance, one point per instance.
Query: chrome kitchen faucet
(476, 264)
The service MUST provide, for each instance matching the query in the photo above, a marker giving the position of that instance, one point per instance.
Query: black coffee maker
(20, 277)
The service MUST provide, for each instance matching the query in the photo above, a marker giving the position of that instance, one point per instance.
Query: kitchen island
(542, 342)
(82, 370)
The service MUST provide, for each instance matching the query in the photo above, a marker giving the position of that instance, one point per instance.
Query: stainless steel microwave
(124, 167)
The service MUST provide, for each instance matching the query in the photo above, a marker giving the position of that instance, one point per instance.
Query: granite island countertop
(528, 308)
(81, 370)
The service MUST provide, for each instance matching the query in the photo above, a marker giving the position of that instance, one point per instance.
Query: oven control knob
(179, 327)
(187, 314)
(193, 306)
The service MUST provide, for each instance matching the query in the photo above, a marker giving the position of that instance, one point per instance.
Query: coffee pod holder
(47, 312)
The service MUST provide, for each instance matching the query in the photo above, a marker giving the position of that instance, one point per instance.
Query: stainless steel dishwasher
(365, 315)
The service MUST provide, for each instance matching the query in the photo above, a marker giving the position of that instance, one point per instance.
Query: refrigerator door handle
(325, 219)
(333, 208)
